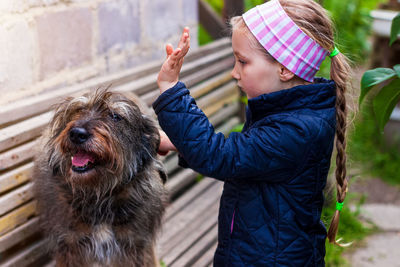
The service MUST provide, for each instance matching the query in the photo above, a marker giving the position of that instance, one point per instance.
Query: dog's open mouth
(82, 162)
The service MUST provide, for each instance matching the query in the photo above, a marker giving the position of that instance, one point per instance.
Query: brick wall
(47, 44)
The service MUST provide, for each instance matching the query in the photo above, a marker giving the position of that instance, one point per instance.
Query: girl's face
(255, 73)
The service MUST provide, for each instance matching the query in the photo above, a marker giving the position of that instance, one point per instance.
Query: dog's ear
(151, 134)
(144, 109)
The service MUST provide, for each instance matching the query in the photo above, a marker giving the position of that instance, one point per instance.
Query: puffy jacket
(274, 171)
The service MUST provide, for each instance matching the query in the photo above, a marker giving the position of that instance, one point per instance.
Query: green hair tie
(339, 206)
(334, 52)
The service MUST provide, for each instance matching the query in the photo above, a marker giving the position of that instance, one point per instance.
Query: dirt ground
(375, 190)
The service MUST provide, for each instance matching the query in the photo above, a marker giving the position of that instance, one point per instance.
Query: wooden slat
(211, 70)
(15, 177)
(38, 104)
(207, 257)
(28, 256)
(21, 132)
(217, 95)
(207, 49)
(211, 21)
(17, 155)
(181, 180)
(209, 84)
(171, 163)
(217, 99)
(190, 212)
(143, 85)
(19, 234)
(224, 113)
(198, 249)
(197, 77)
(194, 224)
(209, 110)
(15, 198)
(188, 197)
(146, 84)
(17, 217)
(192, 67)
(187, 236)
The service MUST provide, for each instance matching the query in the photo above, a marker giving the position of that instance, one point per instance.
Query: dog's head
(98, 136)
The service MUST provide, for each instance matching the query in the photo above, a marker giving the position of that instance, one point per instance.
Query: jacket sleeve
(262, 153)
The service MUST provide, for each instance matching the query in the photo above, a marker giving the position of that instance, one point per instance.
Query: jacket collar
(318, 95)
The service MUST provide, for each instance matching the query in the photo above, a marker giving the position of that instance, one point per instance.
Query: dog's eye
(115, 117)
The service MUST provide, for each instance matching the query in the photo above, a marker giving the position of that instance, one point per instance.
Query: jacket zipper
(233, 219)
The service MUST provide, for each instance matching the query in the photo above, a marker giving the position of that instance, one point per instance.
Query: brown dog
(98, 183)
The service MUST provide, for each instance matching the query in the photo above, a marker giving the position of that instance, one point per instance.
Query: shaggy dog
(99, 186)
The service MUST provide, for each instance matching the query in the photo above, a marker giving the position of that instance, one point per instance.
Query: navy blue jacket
(274, 171)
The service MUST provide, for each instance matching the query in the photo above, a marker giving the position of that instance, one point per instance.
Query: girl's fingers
(169, 49)
(186, 46)
(176, 55)
(184, 41)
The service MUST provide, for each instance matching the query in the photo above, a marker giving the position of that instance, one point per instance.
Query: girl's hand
(165, 145)
(169, 73)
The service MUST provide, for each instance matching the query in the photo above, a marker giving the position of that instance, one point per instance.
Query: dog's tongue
(81, 159)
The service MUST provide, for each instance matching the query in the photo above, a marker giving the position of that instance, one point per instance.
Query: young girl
(275, 170)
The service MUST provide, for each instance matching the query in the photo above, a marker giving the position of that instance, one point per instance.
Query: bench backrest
(206, 72)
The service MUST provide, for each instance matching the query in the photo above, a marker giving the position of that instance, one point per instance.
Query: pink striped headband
(284, 40)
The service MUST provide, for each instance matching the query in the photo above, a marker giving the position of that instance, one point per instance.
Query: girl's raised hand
(169, 73)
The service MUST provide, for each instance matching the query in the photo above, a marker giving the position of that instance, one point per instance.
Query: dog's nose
(78, 135)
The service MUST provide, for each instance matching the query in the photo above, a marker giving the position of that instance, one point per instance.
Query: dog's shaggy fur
(98, 183)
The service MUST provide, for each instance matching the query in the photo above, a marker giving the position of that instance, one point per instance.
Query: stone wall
(48, 44)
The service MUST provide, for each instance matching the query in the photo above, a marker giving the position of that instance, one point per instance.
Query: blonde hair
(237, 23)
(313, 20)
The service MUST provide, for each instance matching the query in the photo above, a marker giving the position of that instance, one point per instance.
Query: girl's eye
(242, 61)
(115, 117)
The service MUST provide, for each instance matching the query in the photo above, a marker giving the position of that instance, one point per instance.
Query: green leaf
(373, 77)
(395, 29)
(385, 101)
(397, 69)
(244, 100)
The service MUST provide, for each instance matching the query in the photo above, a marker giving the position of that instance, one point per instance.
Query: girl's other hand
(165, 145)
(169, 73)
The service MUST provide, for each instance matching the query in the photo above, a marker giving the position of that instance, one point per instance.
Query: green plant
(353, 25)
(367, 146)
(350, 229)
(387, 81)
(237, 128)
(204, 37)
(380, 92)
(248, 4)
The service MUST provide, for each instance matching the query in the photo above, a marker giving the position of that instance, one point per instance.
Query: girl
(275, 170)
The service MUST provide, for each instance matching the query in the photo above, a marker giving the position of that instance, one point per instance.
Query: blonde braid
(314, 21)
(340, 70)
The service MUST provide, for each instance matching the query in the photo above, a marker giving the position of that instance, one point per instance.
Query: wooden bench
(189, 233)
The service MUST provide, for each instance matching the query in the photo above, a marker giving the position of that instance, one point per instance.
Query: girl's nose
(234, 73)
